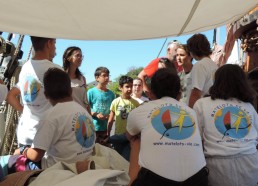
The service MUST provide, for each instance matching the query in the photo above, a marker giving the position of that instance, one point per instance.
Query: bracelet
(22, 148)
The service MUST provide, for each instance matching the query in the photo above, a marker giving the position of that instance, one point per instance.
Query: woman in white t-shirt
(72, 60)
(170, 150)
(228, 124)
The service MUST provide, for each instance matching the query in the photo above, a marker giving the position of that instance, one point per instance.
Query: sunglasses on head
(163, 60)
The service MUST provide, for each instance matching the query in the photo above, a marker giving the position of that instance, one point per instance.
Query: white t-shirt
(66, 133)
(79, 91)
(170, 141)
(202, 75)
(228, 127)
(32, 94)
(3, 92)
(141, 99)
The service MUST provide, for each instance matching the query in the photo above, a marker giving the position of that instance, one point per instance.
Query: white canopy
(118, 19)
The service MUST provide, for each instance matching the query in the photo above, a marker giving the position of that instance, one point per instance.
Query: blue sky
(117, 56)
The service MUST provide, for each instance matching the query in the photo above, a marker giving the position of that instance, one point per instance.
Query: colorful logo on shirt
(232, 122)
(84, 131)
(173, 123)
(31, 89)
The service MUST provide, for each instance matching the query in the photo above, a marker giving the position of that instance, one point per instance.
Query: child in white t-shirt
(66, 132)
(170, 150)
(229, 125)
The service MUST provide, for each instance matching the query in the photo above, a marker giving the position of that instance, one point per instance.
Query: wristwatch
(22, 148)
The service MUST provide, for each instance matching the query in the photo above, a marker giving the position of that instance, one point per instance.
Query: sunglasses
(163, 60)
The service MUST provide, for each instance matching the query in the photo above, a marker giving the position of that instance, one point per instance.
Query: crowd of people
(177, 123)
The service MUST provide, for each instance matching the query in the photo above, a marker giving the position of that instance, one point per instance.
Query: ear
(49, 43)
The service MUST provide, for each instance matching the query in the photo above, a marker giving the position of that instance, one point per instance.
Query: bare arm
(99, 116)
(34, 154)
(142, 75)
(14, 100)
(195, 95)
(110, 122)
(134, 167)
(86, 97)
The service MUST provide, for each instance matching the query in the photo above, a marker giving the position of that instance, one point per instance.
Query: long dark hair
(66, 64)
(231, 82)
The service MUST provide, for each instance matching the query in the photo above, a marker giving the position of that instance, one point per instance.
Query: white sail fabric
(118, 19)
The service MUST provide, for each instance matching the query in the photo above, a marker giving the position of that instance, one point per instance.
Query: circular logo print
(85, 133)
(173, 122)
(31, 89)
(232, 122)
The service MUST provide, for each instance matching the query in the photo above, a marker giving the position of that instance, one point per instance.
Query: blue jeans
(121, 145)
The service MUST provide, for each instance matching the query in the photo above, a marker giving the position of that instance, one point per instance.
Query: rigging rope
(162, 47)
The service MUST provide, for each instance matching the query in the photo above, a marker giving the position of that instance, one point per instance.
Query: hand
(16, 152)
(101, 116)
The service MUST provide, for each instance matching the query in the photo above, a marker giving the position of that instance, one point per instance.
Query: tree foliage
(133, 72)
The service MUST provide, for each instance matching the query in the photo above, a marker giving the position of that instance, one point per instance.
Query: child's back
(67, 133)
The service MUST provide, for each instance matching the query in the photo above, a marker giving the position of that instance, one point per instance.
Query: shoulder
(203, 102)
(83, 78)
(143, 98)
(134, 101)
(153, 63)
(116, 101)
(111, 94)
(91, 90)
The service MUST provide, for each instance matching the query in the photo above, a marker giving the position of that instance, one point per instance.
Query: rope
(162, 47)
(9, 140)
(12, 116)
(29, 53)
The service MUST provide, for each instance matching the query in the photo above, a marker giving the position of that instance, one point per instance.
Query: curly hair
(165, 83)
(199, 45)
(125, 79)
